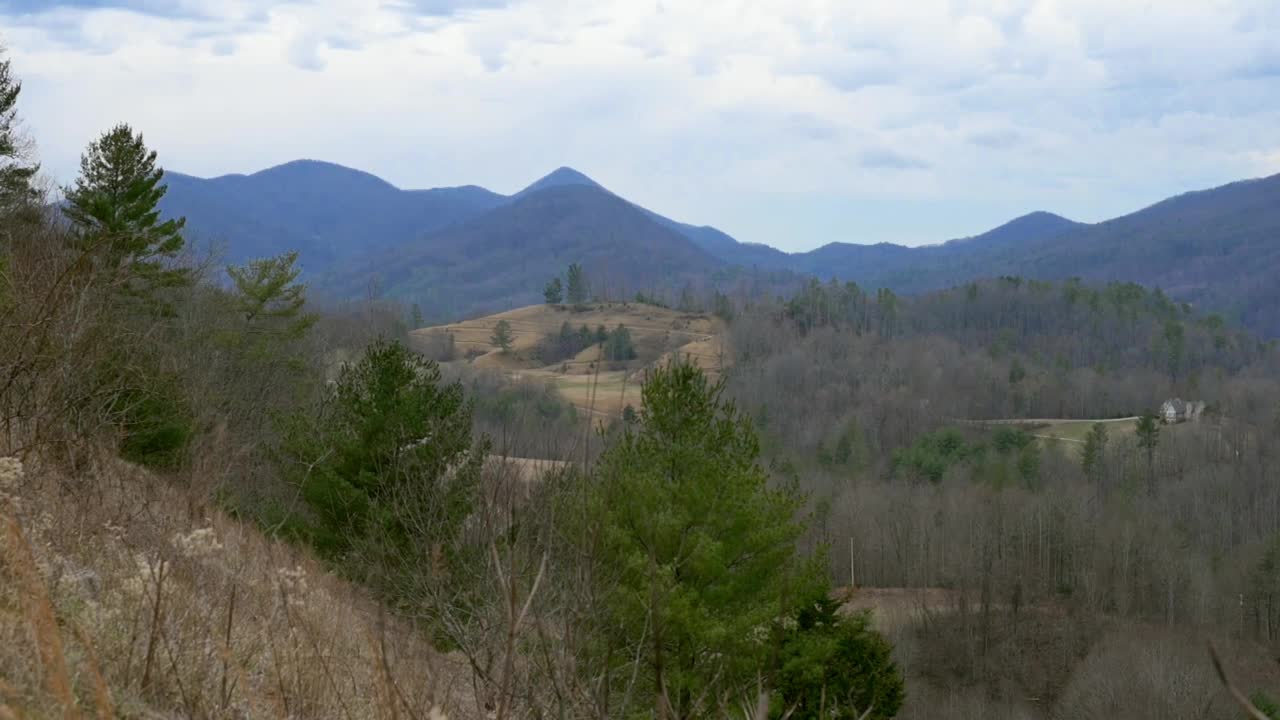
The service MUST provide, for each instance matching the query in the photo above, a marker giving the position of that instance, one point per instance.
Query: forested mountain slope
(328, 213)
(333, 214)
(505, 257)
(1216, 248)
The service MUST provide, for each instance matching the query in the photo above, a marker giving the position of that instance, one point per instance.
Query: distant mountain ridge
(504, 258)
(1218, 248)
(324, 211)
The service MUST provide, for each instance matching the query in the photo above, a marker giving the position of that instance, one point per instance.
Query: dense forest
(1081, 576)
(224, 498)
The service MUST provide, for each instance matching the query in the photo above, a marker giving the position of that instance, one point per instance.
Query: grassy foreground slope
(123, 596)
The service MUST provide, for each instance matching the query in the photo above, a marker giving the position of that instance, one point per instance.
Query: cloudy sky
(790, 122)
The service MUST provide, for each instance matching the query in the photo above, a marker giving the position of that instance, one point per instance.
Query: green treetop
(502, 335)
(577, 285)
(269, 301)
(16, 172)
(114, 207)
(703, 547)
(554, 292)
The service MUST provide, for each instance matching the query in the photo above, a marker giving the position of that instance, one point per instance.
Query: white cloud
(1086, 107)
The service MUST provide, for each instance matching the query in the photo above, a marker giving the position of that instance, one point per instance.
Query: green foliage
(149, 407)
(1093, 460)
(1017, 373)
(931, 455)
(114, 208)
(617, 344)
(1029, 463)
(1008, 439)
(648, 299)
(554, 292)
(1148, 433)
(267, 302)
(818, 305)
(386, 466)
(502, 335)
(15, 173)
(1009, 450)
(577, 285)
(566, 344)
(835, 666)
(1266, 705)
(702, 547)
(508, 403)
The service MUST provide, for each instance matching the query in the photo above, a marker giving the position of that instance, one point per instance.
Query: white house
(1177, 410)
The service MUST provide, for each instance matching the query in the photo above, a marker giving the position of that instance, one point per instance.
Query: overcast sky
(789, 122)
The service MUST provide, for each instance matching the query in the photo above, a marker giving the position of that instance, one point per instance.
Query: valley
(304, 443)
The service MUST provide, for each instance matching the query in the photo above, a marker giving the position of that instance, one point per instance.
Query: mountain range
(463, 250)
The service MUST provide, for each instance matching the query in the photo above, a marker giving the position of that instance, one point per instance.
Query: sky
(788, 122)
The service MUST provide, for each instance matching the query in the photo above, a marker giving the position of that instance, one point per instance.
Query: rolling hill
(587, 380)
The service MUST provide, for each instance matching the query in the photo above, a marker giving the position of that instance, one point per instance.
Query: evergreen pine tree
(703, 548)
(114, 208)
(577, 285)
(387, 467)
(554, 292)
(269, 301)
(1148, 431)
(502, 335)
(1095, 449)
(16, 172)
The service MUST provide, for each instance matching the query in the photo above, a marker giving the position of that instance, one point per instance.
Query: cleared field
(1074, 431)
(588, 381)
(613, 391)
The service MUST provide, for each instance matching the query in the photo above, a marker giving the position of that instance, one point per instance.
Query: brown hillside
(602, 387)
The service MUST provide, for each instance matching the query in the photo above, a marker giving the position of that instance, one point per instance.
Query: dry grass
(658, 335)
(1075, 431)
(121, 596)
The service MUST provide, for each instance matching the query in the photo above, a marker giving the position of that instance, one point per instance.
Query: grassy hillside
(588, 379)
(133, 598)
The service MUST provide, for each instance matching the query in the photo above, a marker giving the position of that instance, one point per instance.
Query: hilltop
(586, 378)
